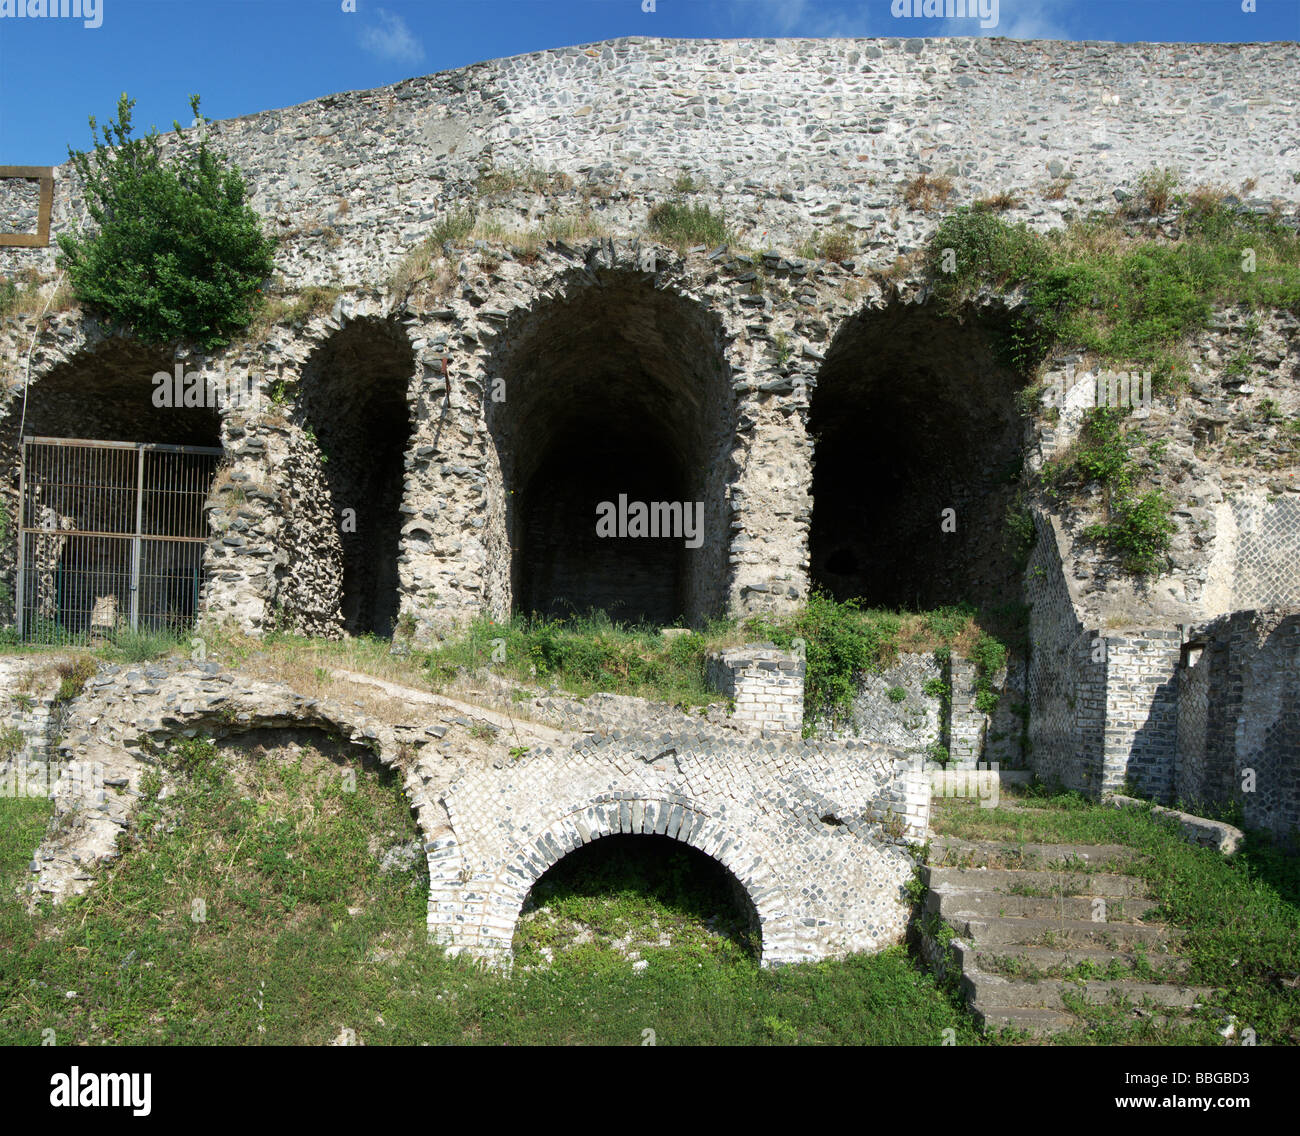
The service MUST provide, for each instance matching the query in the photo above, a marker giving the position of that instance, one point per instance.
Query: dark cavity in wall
(354, 400)
(80, 580)
(695, 890)
(617, 389)
(913, 415)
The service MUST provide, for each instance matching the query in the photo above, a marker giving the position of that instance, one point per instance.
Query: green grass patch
(584, 654)
(1128, 296)
(305, 934)
(684, 226)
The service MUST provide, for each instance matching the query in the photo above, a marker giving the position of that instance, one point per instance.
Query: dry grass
(314, 300)
(1205, 198)
(926, 193)
(32, 297)
(502, 182)
(527, 244)
(998, 202)
(1056, 190)
(915, 636)
(898, 271)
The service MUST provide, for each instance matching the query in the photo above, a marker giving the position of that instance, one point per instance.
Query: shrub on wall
(177, 253)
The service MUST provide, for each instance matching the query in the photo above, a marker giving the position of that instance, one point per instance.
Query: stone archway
(611, 393)
(816, 838)
(914, 414)
(355, 403)
(612, 816)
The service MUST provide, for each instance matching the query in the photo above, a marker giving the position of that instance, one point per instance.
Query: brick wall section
(1141, 712)
(1066, 684)
(815, 833)
(1239, 710)
(966, 725)
(766, 684)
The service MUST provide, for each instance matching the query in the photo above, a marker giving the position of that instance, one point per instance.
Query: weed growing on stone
(685, 226)
(1104, 286)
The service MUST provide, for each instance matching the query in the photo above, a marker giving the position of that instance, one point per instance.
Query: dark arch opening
(99, 580)
(616, 396)
(913, 414)
(354, 400)
(620, 885)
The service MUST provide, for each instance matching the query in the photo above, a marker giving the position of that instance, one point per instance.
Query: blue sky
(244, 56)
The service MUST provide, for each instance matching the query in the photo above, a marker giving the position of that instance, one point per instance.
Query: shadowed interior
(620, 389)
(354, 391)
(913, 415)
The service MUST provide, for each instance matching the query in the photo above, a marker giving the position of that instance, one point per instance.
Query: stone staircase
(1030, 927)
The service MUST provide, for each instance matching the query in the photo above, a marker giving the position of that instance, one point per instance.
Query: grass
(843, 639)
(685, 226)
(926, 193)
(1113, 288)
(304, 934)
(583, 655)
(1241, 913)
(28, 298)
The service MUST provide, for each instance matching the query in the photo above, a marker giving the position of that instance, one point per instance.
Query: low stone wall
(31, 717)
(766, 684)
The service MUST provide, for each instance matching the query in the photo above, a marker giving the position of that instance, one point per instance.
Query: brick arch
(745, 857)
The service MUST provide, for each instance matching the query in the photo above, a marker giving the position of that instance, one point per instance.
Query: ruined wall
(1239, 717)
(789, 139)
(790, 134)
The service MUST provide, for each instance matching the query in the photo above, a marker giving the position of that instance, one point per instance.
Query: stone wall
(765, 685)
(1239, 717)
(789, 133)
(815, 834)
(1141, 712)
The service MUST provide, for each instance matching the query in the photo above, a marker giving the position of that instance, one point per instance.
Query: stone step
(952, 852)
(993, 991)
(1056, 882)
(1035, 1022)
(1037, 960)
(990, 931)
(956, 904)
(1040, 1022)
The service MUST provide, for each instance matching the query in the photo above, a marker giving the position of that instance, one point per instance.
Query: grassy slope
(279, 853)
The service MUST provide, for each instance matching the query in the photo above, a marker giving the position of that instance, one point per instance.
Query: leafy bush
(177, 254)
(840, 642)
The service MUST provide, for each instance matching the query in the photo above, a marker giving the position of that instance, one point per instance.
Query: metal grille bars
(110, 536)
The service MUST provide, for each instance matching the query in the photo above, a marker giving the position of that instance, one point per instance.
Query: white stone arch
(744, 855)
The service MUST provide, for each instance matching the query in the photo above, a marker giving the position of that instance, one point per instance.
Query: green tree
(177, 253)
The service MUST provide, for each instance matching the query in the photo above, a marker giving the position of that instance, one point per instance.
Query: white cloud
(807, 18)
(1017, 19)
(392, 39)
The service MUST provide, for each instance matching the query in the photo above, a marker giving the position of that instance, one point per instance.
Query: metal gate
(110, 537)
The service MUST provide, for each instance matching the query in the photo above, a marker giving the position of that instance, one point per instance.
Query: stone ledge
(1199, 830)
